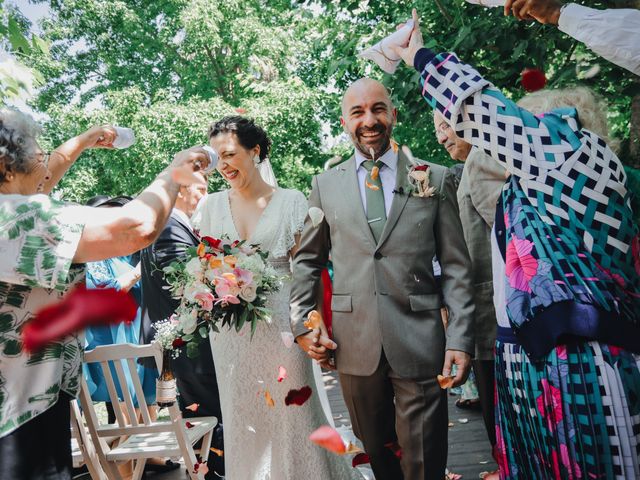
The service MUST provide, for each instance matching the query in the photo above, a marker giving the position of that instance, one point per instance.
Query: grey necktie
(376, 213)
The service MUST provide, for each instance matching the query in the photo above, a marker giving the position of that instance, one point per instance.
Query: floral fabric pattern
(38, 239)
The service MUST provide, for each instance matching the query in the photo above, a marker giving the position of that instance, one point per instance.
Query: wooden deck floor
(469, 449)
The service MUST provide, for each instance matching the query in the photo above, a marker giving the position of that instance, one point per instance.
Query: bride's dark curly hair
(249, 134)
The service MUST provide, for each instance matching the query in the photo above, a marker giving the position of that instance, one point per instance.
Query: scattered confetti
(395, 448)
(189, 424)
(282, 373)
(360, 459)
(445, 382)
(353, 448)
(371, 186)
(268, 399)
(217, 451)
(313, 321)
(451, 424)
(193, 407)
(78, 310)
(327, 437)
(316, 216)
(463, 420)
(287, 339)
(298, 397)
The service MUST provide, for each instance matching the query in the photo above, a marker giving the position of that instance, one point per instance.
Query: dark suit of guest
(195, 377)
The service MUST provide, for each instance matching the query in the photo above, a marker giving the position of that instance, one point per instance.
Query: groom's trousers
(386, 409)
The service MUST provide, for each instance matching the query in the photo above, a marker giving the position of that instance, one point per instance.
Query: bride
(263, 440)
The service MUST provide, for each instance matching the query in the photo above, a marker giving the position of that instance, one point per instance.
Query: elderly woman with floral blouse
(566, 277)
(43, 243)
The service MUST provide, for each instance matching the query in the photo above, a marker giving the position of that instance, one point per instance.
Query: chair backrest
(123, 358)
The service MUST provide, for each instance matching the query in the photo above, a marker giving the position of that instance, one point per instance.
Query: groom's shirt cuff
(423, 56)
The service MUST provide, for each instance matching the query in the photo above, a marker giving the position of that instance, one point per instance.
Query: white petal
(316, 215)
(287, 339)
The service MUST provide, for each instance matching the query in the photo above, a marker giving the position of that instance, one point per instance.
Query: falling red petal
(360, 459)
(282, 373)
(79, 309)
(395, 448)
(533, 79)
(298, 397)
(327, 437)
(189, 425)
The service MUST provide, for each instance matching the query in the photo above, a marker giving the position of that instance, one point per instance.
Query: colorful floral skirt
(573, 415)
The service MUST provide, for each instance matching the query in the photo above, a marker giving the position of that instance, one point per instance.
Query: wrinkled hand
(318, 346)
(544, 11)
(408, 52)
(462, 360)
(186, 163)
(101, 136)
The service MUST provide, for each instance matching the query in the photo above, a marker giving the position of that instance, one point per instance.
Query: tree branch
(217, 74)
(443, 11)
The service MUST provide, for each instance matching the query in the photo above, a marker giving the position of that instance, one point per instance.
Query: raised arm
(522, 142)
(115, 232)
(613, 33)
(66, 154)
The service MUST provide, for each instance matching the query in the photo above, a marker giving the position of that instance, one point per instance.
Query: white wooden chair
(82, 449)
(141, 439)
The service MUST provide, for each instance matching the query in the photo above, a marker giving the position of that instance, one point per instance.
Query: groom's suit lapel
(351, 192)
(400, 199)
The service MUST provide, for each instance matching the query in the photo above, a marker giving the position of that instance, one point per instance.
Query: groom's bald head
(361, 87)
(368, 116)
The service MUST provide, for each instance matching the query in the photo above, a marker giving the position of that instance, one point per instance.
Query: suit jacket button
(377, 255)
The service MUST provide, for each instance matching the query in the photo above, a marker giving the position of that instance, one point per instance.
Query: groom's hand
(462, 360)
(318, 346)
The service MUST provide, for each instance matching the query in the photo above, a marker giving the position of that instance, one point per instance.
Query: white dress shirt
(387, 176)
(613, 34)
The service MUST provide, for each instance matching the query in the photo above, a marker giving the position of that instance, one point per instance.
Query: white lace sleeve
(292, 221)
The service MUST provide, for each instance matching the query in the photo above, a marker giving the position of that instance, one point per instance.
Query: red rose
(178, 342)
(533, 79)
(421, 168)
(213, 242)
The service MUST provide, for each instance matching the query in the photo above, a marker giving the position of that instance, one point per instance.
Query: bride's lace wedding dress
(261, 441)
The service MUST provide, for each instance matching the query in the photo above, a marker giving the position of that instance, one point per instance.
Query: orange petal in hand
(328, 438)
(445, 382)
(314, 320)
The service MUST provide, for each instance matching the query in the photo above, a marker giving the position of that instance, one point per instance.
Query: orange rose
(231, 261)
(215, 262)
(201, 250)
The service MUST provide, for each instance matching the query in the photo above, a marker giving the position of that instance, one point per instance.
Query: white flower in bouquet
(253, 263)
(167, 331)
(188, 321)
(249, 292)
(194, 268)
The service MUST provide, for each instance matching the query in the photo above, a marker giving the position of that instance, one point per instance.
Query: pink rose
(205, 300)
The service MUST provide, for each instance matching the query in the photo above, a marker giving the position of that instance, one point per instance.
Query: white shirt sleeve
(614, 34)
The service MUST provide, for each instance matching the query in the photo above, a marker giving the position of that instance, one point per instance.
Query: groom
(391, 343)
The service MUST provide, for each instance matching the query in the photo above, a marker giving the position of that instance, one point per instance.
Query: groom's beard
(379, 146)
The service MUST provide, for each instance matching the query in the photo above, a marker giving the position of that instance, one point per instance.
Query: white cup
(213, 159)
(124, 138)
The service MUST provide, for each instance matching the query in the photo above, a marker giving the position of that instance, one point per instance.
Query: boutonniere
(418, 176)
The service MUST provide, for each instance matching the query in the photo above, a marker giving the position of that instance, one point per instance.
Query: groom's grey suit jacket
(384, 294)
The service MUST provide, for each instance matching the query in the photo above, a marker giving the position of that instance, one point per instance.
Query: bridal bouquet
(220, 282)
